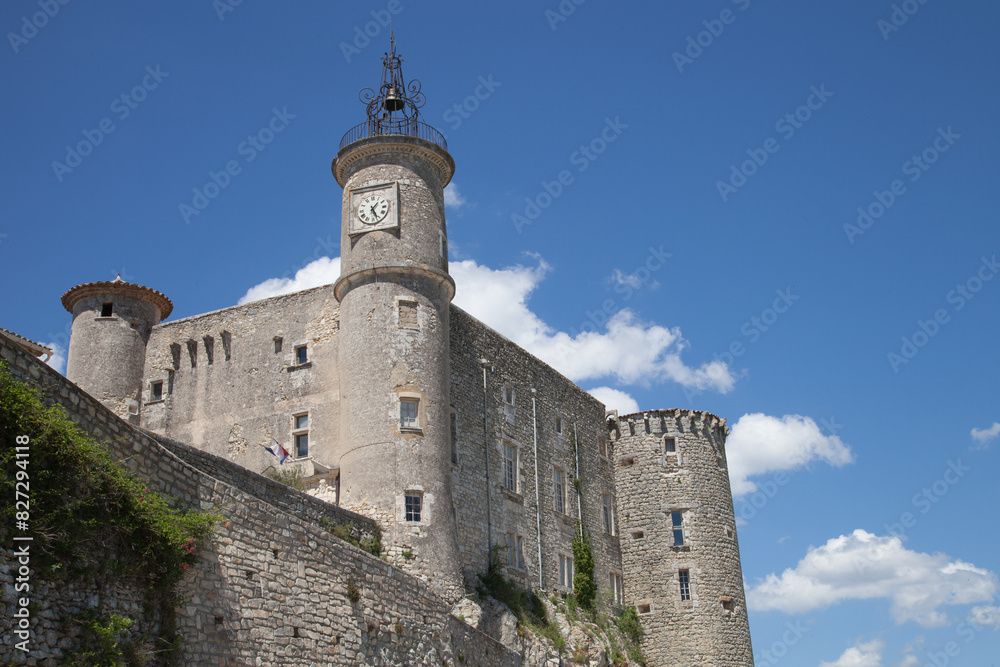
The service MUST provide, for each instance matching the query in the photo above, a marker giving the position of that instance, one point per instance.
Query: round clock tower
(395, 294)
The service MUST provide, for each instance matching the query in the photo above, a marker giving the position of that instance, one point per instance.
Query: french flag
(278, 451)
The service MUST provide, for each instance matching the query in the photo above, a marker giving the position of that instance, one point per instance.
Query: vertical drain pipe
(489, 503)
(577, 482)
(538, 506)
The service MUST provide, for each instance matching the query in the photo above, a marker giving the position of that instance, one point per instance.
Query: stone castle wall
(512, 368)
(273, 588)
(710, 627)
(228, 389)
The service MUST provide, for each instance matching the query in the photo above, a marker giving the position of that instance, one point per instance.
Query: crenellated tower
(395, 294)
(112, 321)
(680, 555)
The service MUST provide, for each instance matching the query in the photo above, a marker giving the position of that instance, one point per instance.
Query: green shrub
(584, 586)
(288, 476)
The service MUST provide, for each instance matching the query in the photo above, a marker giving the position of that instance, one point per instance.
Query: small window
(627, 461)
(684, 580)
(408, 413)
(408, 315)
(301, 354)
(638, 534)
(617, 595)
(156, 391)
(278, 342)
(559, 425)
(729, 532)
(677, 519)
(642, 608)
(414, 505)
(607, 513)
(727, 605)
(453, 425)
(508, 395)
(565, 571)
(559, 489)
(670, 445)
(300, 435)
(602, 447)
(107, 308)
(510, 467)
(515, 551)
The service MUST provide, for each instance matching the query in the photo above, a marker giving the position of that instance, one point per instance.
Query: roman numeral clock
(374, 207)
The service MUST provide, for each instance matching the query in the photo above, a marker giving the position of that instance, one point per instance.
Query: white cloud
(984, 435)
(866, 654)
(863, 566)
(452, 197)
(614, 399)
(908, 661)
(58, 359)
(322, 271)
(759, 444)
(985, 615)
(634, 280)
(629, 350)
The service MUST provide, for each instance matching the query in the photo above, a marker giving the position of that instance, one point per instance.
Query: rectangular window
(508, 395)
(510, 467)
(107, 308)
(408, 413)
(453, 425)
(156, 391)
(559, 425)
(408, 315)
(508, 403)
(515, 551)
(602, 447)
(301, 354)
(565, 571)
(684, 579)
(278, 341)
(670, 445)
(677, 519)
(413, 507)
(300, 435)
(617, 596)
(607, 514)
(559, 489)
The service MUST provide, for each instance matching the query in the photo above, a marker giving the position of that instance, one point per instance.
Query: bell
(393, 102)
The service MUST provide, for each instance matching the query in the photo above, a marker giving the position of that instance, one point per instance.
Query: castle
(397, 405)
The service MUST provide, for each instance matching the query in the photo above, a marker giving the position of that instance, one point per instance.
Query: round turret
(112, 321)
(680, 556)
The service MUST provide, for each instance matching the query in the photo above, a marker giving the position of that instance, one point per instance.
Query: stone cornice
(348, 158)
(372, 273)
(121, 288)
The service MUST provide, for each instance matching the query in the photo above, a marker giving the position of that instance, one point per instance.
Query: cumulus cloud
(863, 566)
(57, 361)
(985, 615)
(322, 271)
(865, 654)
(908, 661)
(760, 443)
(452, 197)
(634, 280)
(615, 399)
(629, 350)
(984, 435)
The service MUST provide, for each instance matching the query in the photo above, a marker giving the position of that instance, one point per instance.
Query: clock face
(373, 209)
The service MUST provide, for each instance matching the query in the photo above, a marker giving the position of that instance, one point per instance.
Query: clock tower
(395, 294)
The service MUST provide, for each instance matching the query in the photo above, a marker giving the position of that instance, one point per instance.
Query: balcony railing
(389, 127)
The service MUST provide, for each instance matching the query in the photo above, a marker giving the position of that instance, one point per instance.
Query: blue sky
(705, 248)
